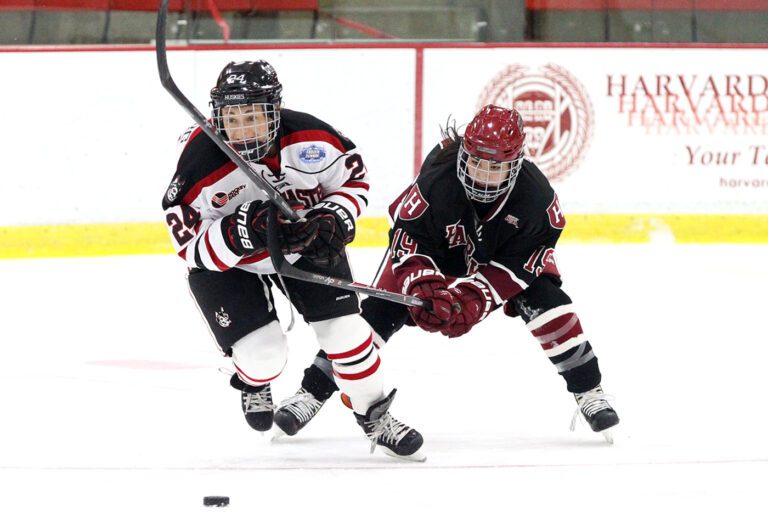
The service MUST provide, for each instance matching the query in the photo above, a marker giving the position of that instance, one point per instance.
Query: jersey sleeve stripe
(214, 257)
(356, 184)
(197, 131)
(209, 180)
(196, 254)
(255, 258)
(502, 280)
(205, 256)
(312, 136)
(417, 260)
(219, 245)
(348, 199)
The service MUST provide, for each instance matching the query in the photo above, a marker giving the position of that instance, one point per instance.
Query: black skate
(295, 412)
(256, 404)
(317, 386)
(395, 438)
(594, 406)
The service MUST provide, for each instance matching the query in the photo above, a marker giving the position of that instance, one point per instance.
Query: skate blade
(417, 456)
(608, 435)
(278, 434)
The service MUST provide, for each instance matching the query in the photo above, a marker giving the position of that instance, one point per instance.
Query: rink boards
(640, 142)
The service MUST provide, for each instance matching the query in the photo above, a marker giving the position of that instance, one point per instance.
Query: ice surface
(111, 398)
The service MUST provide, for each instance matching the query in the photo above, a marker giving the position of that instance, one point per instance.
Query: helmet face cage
(246, 107)
(485, 180)
(249, 128)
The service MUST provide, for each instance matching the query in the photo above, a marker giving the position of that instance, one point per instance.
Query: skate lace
(260, 401)
(387, 429)
(590, 403)
(303, 405)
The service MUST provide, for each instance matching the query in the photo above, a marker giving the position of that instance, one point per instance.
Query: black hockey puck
(216, 501)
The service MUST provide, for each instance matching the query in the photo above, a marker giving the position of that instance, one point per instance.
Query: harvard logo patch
(414, 205)
(555, 213)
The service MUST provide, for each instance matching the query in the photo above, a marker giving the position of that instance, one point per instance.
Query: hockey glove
(510, 310)
(245, 230)
(475, 301)
(334, 228)
(428, 285)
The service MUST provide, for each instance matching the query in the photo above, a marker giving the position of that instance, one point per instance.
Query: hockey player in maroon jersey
(476, 231)
(217, 220)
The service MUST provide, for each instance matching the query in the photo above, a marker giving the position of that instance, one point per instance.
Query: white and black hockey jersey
(314, 163)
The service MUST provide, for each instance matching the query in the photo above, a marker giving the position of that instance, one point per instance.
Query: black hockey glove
(335, 228)
(245, 230)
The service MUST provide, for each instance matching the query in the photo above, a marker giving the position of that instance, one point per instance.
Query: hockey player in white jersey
(217, 220)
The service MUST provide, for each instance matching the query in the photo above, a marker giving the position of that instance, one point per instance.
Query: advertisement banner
(622, 130)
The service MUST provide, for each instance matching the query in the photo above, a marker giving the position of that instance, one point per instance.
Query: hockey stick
(286, 269)
(173, 90)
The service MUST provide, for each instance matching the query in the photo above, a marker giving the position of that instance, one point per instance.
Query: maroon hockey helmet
(491, 153)
(246, 107)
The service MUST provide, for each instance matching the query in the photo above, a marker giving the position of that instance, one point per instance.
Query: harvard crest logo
(414, 205)
(555, 213)
(557, 111)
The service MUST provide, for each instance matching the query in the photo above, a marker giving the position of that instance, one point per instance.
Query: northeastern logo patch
(173, 189)
(414, 205)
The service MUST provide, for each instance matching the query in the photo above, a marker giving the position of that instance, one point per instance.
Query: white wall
(89, 136)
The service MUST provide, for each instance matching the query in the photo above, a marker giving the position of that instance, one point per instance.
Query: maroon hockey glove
(334, 228)
(475, 301)
(429, 285)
